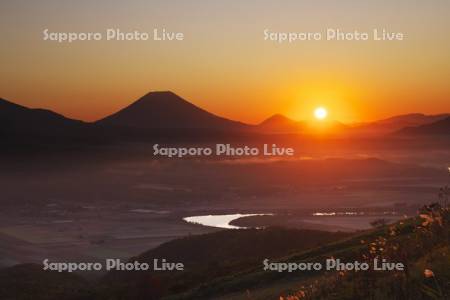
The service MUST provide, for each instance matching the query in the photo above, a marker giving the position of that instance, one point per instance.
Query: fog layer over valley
(93, 206)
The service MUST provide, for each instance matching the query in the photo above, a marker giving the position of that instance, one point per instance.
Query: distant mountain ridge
(161, 112)
(281, 124)
(441, 127)
(18, 119)
(395, 123)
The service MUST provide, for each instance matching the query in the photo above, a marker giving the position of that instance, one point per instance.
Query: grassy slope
(417, 245)
(257, 279)
(29, 282)
(210, 257)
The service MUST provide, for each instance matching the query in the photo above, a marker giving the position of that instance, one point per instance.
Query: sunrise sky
(223, 64)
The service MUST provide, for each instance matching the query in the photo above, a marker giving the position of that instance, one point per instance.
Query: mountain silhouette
(166, 110)
(395, 123)
(20, 120)
(280, 124)
(441, 127)
(160, 113)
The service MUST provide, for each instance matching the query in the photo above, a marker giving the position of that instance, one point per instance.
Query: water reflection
(220, 221)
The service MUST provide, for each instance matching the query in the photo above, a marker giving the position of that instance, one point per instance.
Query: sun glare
(320, 113)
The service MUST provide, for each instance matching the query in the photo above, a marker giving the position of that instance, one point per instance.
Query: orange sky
(224, 65)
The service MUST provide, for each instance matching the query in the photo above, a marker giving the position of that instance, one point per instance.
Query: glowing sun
(320, 113)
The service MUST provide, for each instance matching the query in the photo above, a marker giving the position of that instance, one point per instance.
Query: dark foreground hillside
(229, 265)
(212, 256)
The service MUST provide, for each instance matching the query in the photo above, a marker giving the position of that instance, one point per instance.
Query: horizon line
(232, 119)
